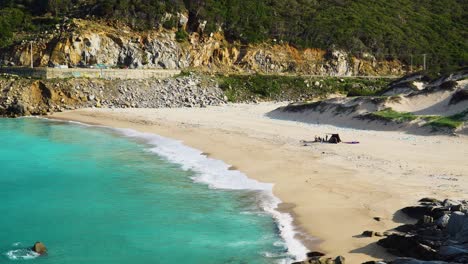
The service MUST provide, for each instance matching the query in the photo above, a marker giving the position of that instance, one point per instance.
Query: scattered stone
(428, 220)
(379, 234)
(322, 260)
(368, 233)
(378, 219)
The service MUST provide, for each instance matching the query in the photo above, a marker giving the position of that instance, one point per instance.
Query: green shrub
(181, 35)
(452, 122)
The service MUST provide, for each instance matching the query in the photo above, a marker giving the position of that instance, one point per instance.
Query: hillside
(401, 30)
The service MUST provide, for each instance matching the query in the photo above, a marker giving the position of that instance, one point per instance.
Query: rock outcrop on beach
(316, 257)
(440, 235)
(19, 97)
(77, 42)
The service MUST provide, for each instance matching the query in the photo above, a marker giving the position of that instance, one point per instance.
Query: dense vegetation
(404, 29)
(239, 88)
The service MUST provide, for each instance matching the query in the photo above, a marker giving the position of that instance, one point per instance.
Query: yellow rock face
(88, 43)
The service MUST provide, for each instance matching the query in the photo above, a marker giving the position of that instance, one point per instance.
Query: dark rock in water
(16, 110)
(39, 248)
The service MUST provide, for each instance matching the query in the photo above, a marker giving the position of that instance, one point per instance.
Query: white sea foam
(216, 174)
(21, 254)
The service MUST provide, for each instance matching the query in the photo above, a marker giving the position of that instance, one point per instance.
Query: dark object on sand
(334, 139)
(39, 248)
(315, 254)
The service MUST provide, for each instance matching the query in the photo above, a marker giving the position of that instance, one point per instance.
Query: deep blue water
(92, 195)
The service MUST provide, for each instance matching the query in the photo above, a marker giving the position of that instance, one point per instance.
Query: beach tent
(334, 139)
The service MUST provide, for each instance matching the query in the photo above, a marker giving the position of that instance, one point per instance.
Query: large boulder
(39, 248)
(453, 250)
(408, 246)
(442, 222)
(456, 223)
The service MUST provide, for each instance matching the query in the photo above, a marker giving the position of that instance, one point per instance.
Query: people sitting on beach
(334, 139)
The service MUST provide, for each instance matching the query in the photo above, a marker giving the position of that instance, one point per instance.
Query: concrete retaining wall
(55, 73)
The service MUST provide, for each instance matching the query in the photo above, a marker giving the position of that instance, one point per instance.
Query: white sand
(334, 190)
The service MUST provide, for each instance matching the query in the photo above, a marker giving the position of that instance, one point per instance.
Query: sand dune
(358, 112)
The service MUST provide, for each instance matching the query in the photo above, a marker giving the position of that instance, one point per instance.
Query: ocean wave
(21, 254)
(217, 175)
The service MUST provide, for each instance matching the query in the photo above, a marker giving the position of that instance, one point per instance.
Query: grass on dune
(453, 121)
(392, 115)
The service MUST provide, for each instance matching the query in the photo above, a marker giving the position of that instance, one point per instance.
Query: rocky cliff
(85, 42)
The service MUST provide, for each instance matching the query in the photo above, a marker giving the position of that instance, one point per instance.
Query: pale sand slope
(336, 189)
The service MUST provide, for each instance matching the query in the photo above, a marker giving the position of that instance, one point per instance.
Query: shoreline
(282, 213)
(333, 192)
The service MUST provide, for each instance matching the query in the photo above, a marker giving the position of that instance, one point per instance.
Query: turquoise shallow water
(94, 196)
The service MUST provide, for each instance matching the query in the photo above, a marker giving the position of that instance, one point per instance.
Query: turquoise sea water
(92, 195)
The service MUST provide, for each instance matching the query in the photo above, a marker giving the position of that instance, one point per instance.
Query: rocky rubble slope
(19, 97)
(78, 42)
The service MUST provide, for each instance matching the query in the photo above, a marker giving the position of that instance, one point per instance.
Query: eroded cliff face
(83, 42)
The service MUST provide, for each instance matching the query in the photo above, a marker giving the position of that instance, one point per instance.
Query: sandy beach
(333, 191)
